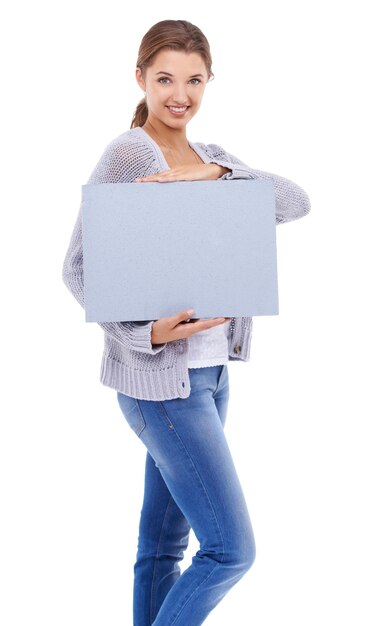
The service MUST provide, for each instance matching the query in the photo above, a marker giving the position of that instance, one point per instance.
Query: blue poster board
(153, 249)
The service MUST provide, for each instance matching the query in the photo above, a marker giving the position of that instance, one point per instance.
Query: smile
(178, 110)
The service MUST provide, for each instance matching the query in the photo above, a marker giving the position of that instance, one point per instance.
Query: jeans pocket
(223, 377)
(132, 413)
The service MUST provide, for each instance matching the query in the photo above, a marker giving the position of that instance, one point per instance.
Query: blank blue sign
(154, 249)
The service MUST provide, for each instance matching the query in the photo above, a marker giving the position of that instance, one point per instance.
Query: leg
(185, 438)
(163, 538)
(163, 533)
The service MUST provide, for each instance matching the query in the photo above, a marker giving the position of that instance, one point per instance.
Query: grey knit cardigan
(130, 363)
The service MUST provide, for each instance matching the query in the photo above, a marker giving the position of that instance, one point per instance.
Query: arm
(136, 335)
(292, 202)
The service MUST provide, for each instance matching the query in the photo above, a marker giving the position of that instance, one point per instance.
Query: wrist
(221, 170)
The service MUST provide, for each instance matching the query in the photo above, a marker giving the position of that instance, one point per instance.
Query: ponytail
(141, 114)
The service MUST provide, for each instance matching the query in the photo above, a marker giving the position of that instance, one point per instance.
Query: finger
(152, 177)
(183, 316)
(213, 321)
(156, 179)
(203, 325)
(191, 172)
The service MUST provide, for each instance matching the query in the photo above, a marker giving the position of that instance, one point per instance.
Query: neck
(174, 138)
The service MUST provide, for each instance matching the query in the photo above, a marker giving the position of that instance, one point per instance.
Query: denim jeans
(190, 481)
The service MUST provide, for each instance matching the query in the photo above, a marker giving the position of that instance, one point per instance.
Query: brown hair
(174, 35)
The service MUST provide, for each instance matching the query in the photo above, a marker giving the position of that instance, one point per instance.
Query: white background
(296, 92)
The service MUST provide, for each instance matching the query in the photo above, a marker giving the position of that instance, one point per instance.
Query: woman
(171, 376)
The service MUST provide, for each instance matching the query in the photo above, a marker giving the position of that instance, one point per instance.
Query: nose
(180, 94)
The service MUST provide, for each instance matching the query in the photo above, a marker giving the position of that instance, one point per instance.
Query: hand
(171, 328)
(199, 171)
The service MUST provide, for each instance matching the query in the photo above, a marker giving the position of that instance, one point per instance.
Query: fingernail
(190, 311)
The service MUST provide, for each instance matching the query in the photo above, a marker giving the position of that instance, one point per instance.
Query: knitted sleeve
(119, 163)
(292, 202)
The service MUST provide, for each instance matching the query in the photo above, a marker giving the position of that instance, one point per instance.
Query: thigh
(185, 437)
(215, 380)
(163, 526)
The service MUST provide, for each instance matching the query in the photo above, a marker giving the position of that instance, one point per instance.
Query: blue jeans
(190, 481)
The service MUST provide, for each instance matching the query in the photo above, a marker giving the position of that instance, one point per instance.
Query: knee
(242, 555)
(247, 555)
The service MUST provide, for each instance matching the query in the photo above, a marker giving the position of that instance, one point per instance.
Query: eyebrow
(168, 74)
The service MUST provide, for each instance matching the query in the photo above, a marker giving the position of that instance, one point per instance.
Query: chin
(176, 124)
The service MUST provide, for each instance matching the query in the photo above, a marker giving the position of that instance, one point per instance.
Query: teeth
(178, 109)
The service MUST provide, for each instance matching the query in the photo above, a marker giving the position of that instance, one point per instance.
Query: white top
(209, 347)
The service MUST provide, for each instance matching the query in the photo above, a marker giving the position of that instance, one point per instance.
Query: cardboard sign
(154, 249)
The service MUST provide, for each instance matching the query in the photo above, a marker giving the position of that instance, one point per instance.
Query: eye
(165, 78)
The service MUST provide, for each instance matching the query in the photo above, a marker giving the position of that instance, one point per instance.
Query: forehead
(178, 61)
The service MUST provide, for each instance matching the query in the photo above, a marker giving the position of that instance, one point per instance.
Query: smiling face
(175, 84)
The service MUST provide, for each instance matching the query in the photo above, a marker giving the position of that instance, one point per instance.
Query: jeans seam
(143, 422)
(151, 611)
(219, 381)
(191, 595)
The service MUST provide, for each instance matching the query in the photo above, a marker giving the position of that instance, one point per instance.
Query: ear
(140, 79)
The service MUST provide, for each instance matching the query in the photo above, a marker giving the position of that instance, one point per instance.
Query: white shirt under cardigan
(209, 347)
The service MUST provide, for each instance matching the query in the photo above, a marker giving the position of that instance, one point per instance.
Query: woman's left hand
(201, 171)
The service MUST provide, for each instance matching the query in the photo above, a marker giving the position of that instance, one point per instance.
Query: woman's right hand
(176, 327)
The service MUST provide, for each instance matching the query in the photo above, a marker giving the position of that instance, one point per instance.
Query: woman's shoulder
(131, 136)
(124, 158)
(132, 141)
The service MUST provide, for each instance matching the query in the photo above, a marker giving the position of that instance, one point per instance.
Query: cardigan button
(237, 349)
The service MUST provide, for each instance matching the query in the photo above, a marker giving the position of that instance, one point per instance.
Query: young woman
(171, 376)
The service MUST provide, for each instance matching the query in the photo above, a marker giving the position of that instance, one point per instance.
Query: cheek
(157, 95)
(197, 99)
(199, 96)
(157, 102)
